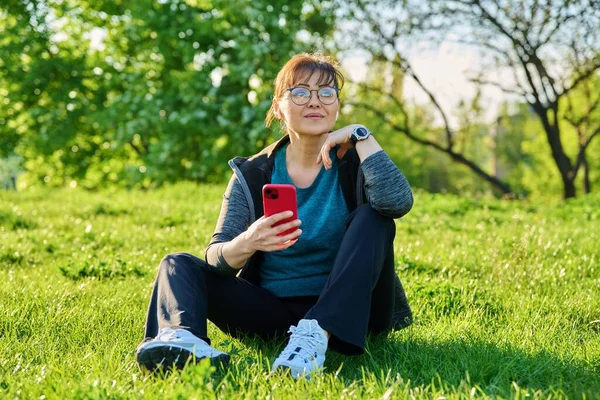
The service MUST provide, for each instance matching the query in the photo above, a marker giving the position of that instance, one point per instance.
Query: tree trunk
(562, 161)
(568, 187)
(587, 185)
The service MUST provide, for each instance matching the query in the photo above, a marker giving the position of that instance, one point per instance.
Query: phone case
(278, 198)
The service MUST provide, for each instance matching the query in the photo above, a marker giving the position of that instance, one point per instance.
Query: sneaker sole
(284, 369)
(165, 357)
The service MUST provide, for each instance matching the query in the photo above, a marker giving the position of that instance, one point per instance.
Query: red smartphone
(278, 198)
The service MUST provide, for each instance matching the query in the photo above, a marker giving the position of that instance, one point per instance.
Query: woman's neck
(303, 150)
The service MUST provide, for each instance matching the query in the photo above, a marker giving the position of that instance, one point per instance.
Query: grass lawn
(506, 297)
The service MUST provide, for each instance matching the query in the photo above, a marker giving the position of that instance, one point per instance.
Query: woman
(331, 280)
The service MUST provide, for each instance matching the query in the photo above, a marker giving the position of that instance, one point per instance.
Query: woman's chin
(314, 130)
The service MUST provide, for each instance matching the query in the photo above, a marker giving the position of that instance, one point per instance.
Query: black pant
(358, 296)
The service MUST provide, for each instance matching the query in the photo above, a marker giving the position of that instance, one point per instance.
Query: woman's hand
(341, 137)
(263, 236)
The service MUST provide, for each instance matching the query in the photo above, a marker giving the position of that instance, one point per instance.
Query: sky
(444, 70)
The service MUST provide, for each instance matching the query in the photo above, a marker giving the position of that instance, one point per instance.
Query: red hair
(300, 66)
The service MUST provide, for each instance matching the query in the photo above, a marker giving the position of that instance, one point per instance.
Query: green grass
(506, 298)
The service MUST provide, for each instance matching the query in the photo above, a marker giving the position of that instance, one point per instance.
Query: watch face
(361, 132)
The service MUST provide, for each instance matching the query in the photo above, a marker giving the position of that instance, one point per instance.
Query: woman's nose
(314, 99)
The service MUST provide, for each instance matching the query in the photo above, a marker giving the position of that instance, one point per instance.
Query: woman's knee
(178, 263)
(367, 214)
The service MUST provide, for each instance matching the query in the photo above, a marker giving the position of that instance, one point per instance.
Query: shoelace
(307, 340)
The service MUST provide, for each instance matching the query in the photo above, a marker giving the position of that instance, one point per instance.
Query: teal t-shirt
(303, 269)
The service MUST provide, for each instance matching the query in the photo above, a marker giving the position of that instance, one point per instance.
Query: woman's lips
(314, 116)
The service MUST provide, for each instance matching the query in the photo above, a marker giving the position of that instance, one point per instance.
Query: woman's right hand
(263, 236)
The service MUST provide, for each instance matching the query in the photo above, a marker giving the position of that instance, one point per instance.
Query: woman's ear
(276, 111)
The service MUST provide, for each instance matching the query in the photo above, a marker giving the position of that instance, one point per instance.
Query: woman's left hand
(341, 137)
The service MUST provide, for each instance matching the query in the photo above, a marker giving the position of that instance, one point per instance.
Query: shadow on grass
(448, 366)
(491, 368)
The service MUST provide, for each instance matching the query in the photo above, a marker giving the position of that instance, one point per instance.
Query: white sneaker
(176, 346)
(305, 352)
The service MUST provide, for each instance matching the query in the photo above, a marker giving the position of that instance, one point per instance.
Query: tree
(550, 48)
(583, 114)
(424, 166)
(143, 92)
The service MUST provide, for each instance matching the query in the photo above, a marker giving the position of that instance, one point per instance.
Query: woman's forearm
(237, 252)
(228, 255)
(387, 189)
(233, 254)
(367, 147)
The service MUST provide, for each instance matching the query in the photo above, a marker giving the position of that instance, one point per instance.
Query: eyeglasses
(301, 96)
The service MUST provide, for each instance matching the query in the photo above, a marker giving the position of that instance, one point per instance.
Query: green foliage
(14, 220)
(136, 93)
(101, 269)
(524, 39)
(423, 166)
(514, 147)
(505, 296)
(522, 147)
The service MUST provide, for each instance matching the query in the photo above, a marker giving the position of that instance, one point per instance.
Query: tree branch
(592, 136)
(494, 181)
(406, 67)
(559, 24)
(569, 115)
(543, 73)
(510, 63)
(584, 75)
(486, 45)
(494, 21)
(524, 50)
(499, 86)
(581, 153)
(537, 104)
(387, 94)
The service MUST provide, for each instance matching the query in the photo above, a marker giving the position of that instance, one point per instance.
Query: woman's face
(314, 117)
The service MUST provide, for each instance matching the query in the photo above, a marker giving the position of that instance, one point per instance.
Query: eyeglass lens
(301, 96)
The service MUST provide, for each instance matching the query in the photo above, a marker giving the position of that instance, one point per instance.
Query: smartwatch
(359, 133)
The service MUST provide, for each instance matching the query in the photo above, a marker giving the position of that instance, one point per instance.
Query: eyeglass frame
(336, 89)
